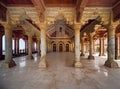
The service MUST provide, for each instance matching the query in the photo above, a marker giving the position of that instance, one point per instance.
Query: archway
(21, 45)
(54, 47)
(60, 47)
(3, 45)
(67, 47)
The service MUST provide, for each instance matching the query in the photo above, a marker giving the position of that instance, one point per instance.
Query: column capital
(113, 25)
(77, 26)
(91, 35)
(118, 34)
(29, 35)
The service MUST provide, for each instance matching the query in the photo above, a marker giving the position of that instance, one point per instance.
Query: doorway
(60, 48)
(54, 47)
(67, 47)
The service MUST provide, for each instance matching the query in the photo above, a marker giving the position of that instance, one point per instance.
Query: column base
(8, 64)
(78, 64)
(101, 54)
(30, 57)
(117, 58)
(91, 57)
(82, 54)
(38, 54)
(43, 64)
(112, 64)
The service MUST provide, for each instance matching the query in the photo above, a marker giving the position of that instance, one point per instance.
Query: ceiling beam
(116, 4)
(80, 5)
(40, 6)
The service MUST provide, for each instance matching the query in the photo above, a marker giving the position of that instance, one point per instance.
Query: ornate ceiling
(17, 2)
(60, 2)
(75, 12)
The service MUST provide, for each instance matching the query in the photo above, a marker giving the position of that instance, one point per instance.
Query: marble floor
(60, 74)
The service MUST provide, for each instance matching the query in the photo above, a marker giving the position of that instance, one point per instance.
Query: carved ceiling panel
(93, 12)
(16, 12)
(54, 12)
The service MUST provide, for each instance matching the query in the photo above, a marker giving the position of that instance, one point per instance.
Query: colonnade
(9, 62)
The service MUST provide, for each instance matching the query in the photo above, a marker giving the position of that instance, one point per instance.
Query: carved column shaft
(93, 45)
(77, 48)
(82, 47)
(8, 45)
(101, 46)
(117, 52)
(26, 46)
(43, 62)
(90, 46)
(30, 47)
(16, 45)
(0, 45)
(38, 46)
(8, 62)
(111, 48)
(119, 47)
(86, 47)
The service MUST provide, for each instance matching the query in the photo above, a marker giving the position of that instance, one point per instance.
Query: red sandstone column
(17, 46)
(101, 46)
(16, 41)
(117, 39)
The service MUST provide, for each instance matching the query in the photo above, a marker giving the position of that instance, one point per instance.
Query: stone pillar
(26, 46)
(33, 47)
(82, 48)
(111, 48)
(43, 62)
(101, 46)
(30, 47)
(16, 46)
(93, 44)
(86, 47)
(8, 62)
(1, 46)
(119, 48)
(90, 46)
(38, 46)
(77, 48)
(117, 45)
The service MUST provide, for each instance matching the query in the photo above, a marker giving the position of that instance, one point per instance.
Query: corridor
(60, 74)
